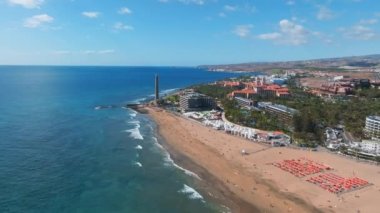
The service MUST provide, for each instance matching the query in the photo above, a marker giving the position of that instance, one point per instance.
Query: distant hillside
(344, 63)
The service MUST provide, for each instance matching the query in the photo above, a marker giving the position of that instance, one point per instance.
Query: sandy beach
(250, 183)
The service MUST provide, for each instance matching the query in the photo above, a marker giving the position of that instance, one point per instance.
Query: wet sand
(250, 183)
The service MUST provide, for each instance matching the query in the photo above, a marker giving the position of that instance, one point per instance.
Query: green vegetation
(215, 91)
(343, 149)
(254, 119)
(277, 71)
(172, 98)
(315, 114)
(368, 93)
(377, 159)
(327, 69)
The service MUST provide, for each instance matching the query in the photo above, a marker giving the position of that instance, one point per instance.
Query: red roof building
(245, 93)
(231, 84)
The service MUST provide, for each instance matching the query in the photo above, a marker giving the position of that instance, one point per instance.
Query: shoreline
(240, 191)
(250, 183)
(216, 191)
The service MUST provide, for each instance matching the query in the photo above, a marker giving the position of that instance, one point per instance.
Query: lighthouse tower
(156, 89)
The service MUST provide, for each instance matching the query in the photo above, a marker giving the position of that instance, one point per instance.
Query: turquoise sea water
(59, 154)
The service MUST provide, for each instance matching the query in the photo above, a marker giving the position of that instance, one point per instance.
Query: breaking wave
(190, 192)
(170, 162)
(138, 164)
(135, 133)
(133, 114)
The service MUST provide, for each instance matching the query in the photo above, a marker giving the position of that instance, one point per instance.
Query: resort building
(336, 89)
(283, 113)
(245, 93)
(371, 146)
(235, 84)
(372, 127)
(245, 102)
(260, 88)
(278, 81)
(360, 83)
(196, 102)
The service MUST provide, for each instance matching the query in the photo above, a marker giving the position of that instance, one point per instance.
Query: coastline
(228, 182)
(210, 186)
(251, 183)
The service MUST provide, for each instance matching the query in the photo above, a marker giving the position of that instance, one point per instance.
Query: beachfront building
(371, 146)
(372, 127)
(244, 102)
(196, 102)
(283, 113)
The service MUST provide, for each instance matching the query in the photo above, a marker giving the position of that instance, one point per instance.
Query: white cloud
(125, 10)
(247, 8)
(362, 30)
(368, 21)
(270, 36)
(121, 26)
(290, 2)
(325, 13)
(197, 2)
(326, 38)
(359, 32)
(30, 4)
(61, 52)
(289, 33)
(230, 8)
(98, 52)
(91, 14)
(221, 14)
(37, 20)
(101, 52)
(243, 31)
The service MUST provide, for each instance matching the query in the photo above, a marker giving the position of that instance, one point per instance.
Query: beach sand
(250, 183)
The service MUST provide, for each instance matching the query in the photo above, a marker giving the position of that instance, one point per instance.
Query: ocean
(59, 154)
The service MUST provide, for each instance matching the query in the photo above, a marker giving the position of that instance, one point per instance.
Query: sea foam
(135, 132)
(169, 161)
(133, 114)
(190, 192)
(139, 147)
(139, 100)
(137, 123)
(138, 164)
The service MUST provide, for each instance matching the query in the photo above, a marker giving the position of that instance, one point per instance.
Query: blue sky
(184, 32)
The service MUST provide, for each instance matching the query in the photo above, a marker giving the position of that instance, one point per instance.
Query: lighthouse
(156, 89)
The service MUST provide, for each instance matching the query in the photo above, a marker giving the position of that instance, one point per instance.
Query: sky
(184, 32)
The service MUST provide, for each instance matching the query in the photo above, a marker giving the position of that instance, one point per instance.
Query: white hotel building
(372, 127)
(371, 146)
